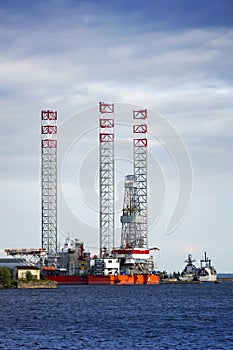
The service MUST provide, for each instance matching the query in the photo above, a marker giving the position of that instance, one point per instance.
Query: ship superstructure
(73, 259)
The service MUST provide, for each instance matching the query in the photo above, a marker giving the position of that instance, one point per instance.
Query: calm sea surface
(196, 316)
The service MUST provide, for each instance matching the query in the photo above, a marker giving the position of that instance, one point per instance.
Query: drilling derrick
(134, 255)
(131, 219)
(106, 177)
(49, 181)
(140, 167)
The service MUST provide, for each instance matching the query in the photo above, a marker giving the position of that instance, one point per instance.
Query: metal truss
(140, 168)
(131, 218)
(49, 181)
(106, 177)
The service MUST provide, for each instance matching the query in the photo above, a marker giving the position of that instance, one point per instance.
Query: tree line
(6, 278)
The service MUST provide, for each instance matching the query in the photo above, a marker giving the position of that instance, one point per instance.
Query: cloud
(69, 55)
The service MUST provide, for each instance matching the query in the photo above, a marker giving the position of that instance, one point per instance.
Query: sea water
(179, 316)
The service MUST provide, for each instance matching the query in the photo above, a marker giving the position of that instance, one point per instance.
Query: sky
(173, 57)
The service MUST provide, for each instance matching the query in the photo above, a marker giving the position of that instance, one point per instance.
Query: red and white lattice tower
(49, 181)
(140, 168)
(106, 177)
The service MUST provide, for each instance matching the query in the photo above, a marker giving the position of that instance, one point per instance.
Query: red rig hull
(68, 279)
(123, 279)
(105, 280)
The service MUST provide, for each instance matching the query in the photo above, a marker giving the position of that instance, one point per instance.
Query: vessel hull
(105, 280)
(92, 279)
(210, 278)
(68, 279)
(124, 279)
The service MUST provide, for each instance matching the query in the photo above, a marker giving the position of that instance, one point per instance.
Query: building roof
(27, 267)
(11, 262)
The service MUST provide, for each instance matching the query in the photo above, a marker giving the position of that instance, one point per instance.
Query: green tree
(5, 277)
(29, 276)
